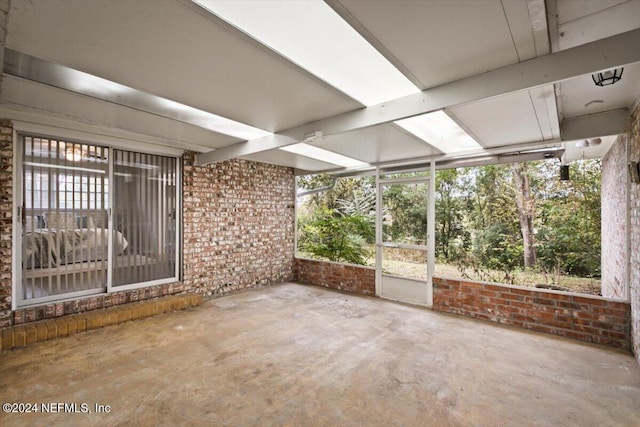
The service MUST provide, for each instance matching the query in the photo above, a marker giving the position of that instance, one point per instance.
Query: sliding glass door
(64, 215)
(144, 205)
(94, 218)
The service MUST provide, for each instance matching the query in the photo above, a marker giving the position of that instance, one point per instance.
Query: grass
(520, 278)
(398, 264)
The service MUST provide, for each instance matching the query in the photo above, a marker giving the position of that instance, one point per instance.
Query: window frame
(22, 130)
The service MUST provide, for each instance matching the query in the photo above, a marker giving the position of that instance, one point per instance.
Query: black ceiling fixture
(607, 77)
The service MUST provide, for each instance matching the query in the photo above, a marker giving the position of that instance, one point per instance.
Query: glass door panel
(403, 241)
(145, 205)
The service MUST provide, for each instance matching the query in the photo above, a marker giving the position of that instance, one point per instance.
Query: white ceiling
(283, 158)
(177, 50)
(65, 104)
(173, 49)
(371, 145)
(584, 21)
(515, 118)
(580, 96)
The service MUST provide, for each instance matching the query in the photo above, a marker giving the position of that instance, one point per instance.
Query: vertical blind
(64, 184)
(145, 209)
(68, 236)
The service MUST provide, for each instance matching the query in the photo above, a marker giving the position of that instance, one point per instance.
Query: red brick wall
(238, 225)
(586, 318)
(57, 309)
(6, 218)
(614, 224)
(634, 250)
(346, 277)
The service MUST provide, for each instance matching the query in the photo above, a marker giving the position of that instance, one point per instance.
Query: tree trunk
(526, 211)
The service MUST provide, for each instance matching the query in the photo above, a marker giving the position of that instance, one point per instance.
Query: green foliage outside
(336, 237)
(478, 223)
(338, 225)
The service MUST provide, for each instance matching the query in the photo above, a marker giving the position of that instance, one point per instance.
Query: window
(94, 219)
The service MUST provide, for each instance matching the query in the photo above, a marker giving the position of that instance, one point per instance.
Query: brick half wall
(345, 277)
(585, 318)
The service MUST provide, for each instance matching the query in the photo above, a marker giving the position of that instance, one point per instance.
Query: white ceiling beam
(615, 51)
(613, 122)
(245, 148)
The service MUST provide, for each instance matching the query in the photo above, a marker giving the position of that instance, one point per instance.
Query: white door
(403, 257)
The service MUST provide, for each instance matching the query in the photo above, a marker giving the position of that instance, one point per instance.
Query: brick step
(23, 335)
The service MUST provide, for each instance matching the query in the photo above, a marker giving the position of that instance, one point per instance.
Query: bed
(52, 247)
(66, 252)
(61, 242)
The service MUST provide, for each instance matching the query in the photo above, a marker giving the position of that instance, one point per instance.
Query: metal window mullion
(84, 232)
(56, 208)
(99, 190)
(142, 220)
(24, 214)
(110, 226)
(148, 227)
(130, 218)
(102, 195)
(431, 232)
(379, 237)
(33, 280)
(74, 175)
(163, 217)
(147, 235)
(160, 225)
(408, 180)
(177, 218)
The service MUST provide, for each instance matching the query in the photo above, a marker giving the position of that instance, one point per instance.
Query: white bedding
(51, 247)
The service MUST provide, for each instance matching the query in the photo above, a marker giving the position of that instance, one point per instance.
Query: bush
(335, 237)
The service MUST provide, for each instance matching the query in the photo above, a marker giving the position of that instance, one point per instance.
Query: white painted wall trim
(42, 124)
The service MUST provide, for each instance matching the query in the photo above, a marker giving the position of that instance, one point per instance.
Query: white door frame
(416, 291)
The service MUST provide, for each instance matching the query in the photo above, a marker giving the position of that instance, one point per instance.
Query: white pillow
(33, 222)
(30, 223)
(61, 220)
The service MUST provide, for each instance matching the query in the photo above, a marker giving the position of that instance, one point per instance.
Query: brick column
(634, 250)
(6, 218)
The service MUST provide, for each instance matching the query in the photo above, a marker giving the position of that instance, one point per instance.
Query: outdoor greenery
(339, 224)
(493, 223)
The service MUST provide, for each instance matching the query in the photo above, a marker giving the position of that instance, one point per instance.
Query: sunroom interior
(151, 148)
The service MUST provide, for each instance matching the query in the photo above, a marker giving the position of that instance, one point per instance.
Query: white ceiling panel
(508, 119)
(544, 103)
(314, 37)
(440, 41)
(377, 144)
(282, 158)
(581, 96)
(616, 19)
(586, 21)
(521, 27)
(572, 152)
(176, 50)
(569, 10)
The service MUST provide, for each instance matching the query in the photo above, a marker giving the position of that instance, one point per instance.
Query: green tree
(451, 204)
(569, 239)
(337, 237)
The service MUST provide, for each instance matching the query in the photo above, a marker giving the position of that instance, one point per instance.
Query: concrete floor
(304, 356)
